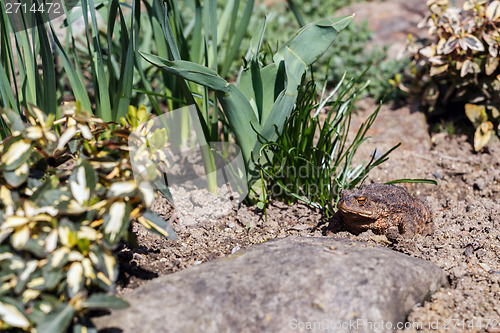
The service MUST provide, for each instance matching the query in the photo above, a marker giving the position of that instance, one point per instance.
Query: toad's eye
(361, 200)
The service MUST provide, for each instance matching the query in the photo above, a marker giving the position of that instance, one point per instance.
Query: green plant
(349, 52)
(460, 63)
(312, 159)
(265, 94)
(65, 65)
(65, 202)
(382, 69)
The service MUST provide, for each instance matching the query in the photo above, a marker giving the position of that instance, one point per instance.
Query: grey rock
(284, 285)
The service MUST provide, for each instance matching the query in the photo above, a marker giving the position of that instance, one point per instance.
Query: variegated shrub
(67, 195)
(460, 63)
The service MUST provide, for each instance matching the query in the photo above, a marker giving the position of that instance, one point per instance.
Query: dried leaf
(436, 70)
(476, 113)
(491, 64)
(482, 135)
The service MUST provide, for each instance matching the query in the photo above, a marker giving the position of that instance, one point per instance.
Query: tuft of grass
(312, 160)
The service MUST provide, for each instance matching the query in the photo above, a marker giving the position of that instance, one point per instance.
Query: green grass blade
(189, 71)
(127, 71)
(413, 180)
(238, 37)
(75, 79)
(48, 91)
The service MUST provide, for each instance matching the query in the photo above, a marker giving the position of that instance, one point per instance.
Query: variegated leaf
(448, 46)
(16, 152)
(75, 279)
(51, 241)
(83, 182)
(110, 265)
(13, 316)
(66, 136)
(428, 51)
(13, 119)
(34, 133)
(148, 193)
(20, 237)
(116, 221)
(471, 42)
(67, 234)
(122, 188)
(493, 11)
(18, 176)
(14, 222)
(59, 257)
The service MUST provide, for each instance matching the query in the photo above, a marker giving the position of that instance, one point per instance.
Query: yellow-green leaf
(476, 113)
(16, 154)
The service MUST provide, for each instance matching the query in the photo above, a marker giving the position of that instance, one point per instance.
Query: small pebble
(480, 183)
(437, 175)
(235, 249)
(197, 262)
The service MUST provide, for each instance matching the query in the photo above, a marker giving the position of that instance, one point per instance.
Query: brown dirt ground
(465, 204)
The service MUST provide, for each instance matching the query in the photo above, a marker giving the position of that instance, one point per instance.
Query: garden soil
(466, 213)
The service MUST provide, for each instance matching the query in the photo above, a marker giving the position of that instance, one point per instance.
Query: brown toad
(384, 209)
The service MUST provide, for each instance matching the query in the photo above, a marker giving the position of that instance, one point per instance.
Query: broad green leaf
(241, 116)
(13, 119)
(313, 40)
(189, 71)
(18, 176)
(104, 301)
(25, 275)
(58, 320)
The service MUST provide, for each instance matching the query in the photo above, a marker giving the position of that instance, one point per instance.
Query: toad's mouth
(352, 212)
